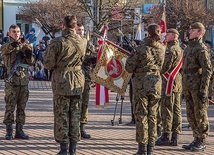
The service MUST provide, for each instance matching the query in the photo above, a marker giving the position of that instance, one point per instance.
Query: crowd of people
(161, 73)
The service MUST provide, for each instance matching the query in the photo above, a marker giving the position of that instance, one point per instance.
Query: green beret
(197, 25)
(172, 31)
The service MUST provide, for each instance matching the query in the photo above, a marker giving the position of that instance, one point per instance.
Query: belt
(192, 71)
(74, 68)
(146, 72)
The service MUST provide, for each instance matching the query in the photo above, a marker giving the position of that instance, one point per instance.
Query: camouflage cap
(197, 25)
(172, 31)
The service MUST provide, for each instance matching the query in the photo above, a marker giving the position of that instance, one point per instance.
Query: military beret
(197, 25)
(172, 31)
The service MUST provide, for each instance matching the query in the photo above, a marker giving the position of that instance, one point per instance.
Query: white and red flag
(110, 69)
(102, 95)
(163, 26)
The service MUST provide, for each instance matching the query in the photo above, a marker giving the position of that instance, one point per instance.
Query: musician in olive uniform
(171, 90)
(146, 64)
(65, 56)
(197, 71)
(17, 58)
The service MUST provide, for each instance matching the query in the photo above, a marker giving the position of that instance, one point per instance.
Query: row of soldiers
(160, 76)
(70, 61)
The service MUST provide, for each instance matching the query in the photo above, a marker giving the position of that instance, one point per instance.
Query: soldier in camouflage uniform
(65, 56)
(197, 70)
(17, 58)
(171, 104)
(146, 65)
(87, 64)
(209, 48)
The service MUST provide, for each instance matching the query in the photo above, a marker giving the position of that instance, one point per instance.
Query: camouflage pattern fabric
(171, 105)
(65, 56)
(87, 63)
(66, 118)
(210, 91)
(16, 93)
(196, 58)
(15, 96)
(146, 64)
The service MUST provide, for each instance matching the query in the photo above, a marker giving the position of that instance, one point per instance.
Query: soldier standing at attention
(171, 102)
(86, 66)
(17, 58)
(146, 64)
(197, 70)
(65, 56)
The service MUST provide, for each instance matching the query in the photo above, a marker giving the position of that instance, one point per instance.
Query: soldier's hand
(203, 97)
(15, 44)
(28, 54)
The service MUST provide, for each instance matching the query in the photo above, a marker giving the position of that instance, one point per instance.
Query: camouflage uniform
(87, 72)
(16, 92)
(171, 105)
(195, 82)
(65, 57)
(146, 64)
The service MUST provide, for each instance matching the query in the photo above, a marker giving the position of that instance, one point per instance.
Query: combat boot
(150, 150)
(163, 140)
(9, 132)
(72, 148)
(199, 146)
(142, 149)
(20, 133)
(83, 133)
(63, 149)
(174, 139)
(193, 143)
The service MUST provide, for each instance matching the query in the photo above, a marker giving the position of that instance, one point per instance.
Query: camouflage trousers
(85, 102)
(66, 118)
(197, 114)
(15, 97)
(146, 119)
(159, 117)
(171, 113)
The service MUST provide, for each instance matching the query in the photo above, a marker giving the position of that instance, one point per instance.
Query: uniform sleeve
(168, 61)
(7, 49)
(204, 60)
(49, 56)
(133, 61)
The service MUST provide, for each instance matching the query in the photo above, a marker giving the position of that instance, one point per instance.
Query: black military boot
(142, 149)
(193, 143)
(163, 140)
(20, 133)
(63, 149)
(9, 132)
(174, 139)
(199, 146)
(150, 150)
(83, 133)
(72, 148)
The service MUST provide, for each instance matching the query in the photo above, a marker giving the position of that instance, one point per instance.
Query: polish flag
(102, 96)
(163, 27)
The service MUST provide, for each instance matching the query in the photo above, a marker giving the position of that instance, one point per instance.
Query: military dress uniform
(65, 56)
(16, 84)
(146, 65)
(197, 70)
(171, 104)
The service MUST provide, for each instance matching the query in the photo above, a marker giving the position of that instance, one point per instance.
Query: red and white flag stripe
(102, 95)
